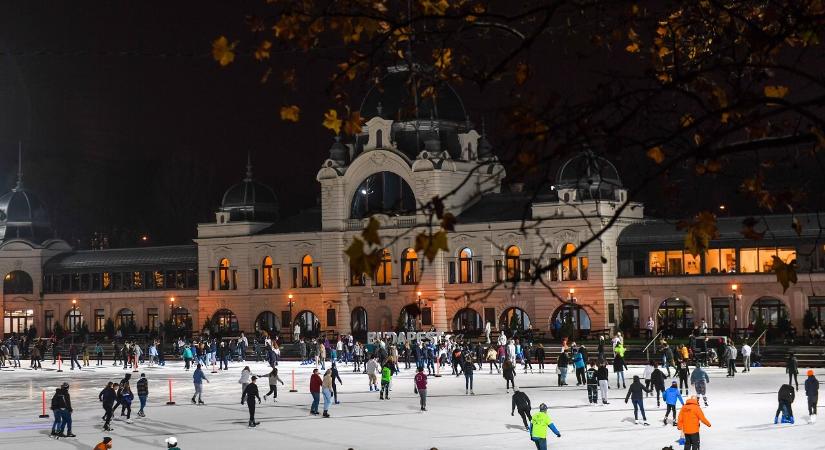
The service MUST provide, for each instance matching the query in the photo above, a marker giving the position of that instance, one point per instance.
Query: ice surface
(741, 411)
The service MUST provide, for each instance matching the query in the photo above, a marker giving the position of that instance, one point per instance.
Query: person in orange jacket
(689, 422)
(105, 445)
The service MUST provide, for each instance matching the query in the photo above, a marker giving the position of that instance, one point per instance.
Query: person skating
(274, 379)
(249, 395)
(538, 428)
(468, 368)
(105, 444)
(509, 374)
(812, 392)
(657, 379)
(326, 390)
(373, 370)
(420, 381)
(335, 377)
(619, 365)
(672, 394)
(58, 415)
(172, 443)
(127, 396)
(246, 377)
(690, 419)
(143, 393)
(386, 378)
(786, 396)
(62, 407)
(648, 371)
(578, 365)
(603, 376)
(730, 357)
(561, 366)
(521, 403)
(540, 355)
(108, 396)
(126, 378)
(683, 373)
(634, 392)
(315, 383)
(592, 380)
(746, 357)
(699, 379)
(198, 377)
(792, 369)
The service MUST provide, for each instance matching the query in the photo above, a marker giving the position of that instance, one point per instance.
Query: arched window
(74, 318)
(467, 320)
(385, 193)
(17, 282)
(465, 266)
(181, 317)
(223, 275)
(358, 323)
(379, 139)
(408, 319)
(383, 273)
(306, 271)
(268, 274)
(409, 267)
(225, 320)
(675, 317)
(769, 309)
(124, 318)
(512, 259)
(267, 321)
(574, 314)
(514, 319)
(309, 323)
(570, 265)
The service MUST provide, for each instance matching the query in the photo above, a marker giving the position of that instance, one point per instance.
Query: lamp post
(291, 303)
(736, 296)
(420, 312)
(75, 325)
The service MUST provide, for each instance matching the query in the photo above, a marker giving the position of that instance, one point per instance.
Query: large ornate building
(251, 269)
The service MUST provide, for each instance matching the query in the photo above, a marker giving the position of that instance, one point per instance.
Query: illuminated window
(306, 271)
(512, 260)
(584, 262)
(570, 264)
(100, 321)
(267, 273)
(720, 260)
(383, 274)
(409, 267)
(693, 264)
(158, 279)
(657, 263)
(137, 280)
(465, 266)
(152, 319)
(223, 275)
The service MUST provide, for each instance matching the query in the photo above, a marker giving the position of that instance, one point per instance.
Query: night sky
(129, 127)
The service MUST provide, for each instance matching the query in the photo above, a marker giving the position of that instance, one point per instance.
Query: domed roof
(588, 171)
(23, 215)
(250, 200)
(394, 98)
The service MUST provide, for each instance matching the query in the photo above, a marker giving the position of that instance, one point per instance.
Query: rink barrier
(293, 382)
(43, 415)
(170, 402)
(59, 363)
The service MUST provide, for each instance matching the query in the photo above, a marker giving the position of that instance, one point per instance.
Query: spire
(248, 166)
(485, 150)
(19, 166)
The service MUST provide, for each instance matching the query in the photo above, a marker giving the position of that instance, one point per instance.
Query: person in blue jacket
(578, 364)
(672, 395)
(538, 428)
(197, 379)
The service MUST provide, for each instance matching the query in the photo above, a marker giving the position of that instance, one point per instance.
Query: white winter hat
(172, 440)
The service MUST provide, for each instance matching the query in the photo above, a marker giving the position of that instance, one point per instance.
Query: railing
(386, 222)
(646, 350)
(756, 342)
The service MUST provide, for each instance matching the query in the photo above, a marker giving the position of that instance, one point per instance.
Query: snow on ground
(741, 411)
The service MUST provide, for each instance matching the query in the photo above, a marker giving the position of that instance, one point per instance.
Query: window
(306, 271)
(720, 260)
(426, 316)
(383, 273)
(379, 139)
(137, 280)
(554, 269)
(19, 282)
(268, 275)
(817, 307)
(317, 276)
(158, 281)
(611, 313)
(382, 192)
(74, 318)
(525, 269)
(451, 272)
(225, 320)
(223, 274)
(254, 278)
(752, 260)
(693, 264)
(96, 282)
(48, 320)
(100, 321)
(570, 264)
(152, 319)
(234, 279)
(278, 277)
(331, 317)
(479, 271)
(294, 277)
(465, 266)
(212, 280)
(124, 317)
(356, 279)
(490, 316)
(674, 262)
(512, 257)
(499, 270)
(584, 262)
(409, 267)
(720, 314)
(18, 321)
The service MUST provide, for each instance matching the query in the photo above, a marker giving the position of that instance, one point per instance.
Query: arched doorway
(225, 321)
(309, 324)
(408, 319)
(770, 309)
(74, 318)
(467, 321)
(575, 315)
(514, 320)
(358, 323)
(269, 322)
(675, 317)
(181, 318)
(17, 282)
(125, 321)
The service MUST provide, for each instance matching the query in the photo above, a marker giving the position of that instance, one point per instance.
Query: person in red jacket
(315, 383)
(421, 387)
(690, 419)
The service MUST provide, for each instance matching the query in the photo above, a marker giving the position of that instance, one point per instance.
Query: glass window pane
(712, 264)
(693, 264)
(766, 259)
(657, 263)
(748, 261)
(674, 262)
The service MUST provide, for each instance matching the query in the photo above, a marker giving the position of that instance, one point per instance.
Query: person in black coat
(812, 392)
(786, 397)
(540, 355)
(249, 395)
(657, 379)
(108, 396)
(335, 376)
(562, 364)
(521, 402)
(792, 369)
(635, 393)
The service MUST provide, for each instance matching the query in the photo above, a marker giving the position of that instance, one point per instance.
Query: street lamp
(420, 312)
(290, 303)
(75, 325)
(736, 296)
(570, 297)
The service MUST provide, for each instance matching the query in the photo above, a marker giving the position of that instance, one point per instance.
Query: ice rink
(741, 411)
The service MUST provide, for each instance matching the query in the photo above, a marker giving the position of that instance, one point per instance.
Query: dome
(250, 200)
(588, 172)
(23, 215)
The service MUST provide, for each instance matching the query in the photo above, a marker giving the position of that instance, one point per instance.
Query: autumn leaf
(332, 122)
(656, 154)
(435, 7)
(699, 232)
(290, 113)
(431, 244)
(448, 222)
(632, 48)
(352, 125)
(222, 51)
(360, 261)
(522, 72)
(262, 52)
(443, 58)
(749, 230)
(776, 91)
(370, 233)
(785, 272)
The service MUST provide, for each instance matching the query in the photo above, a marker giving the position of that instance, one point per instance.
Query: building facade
(251, 270)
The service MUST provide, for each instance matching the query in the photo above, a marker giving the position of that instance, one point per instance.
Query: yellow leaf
(435, 7)
(686, 120)
(699, 233)
(522, 72)
(776, 91)
(785, 272)
(663, 51)
(632, 48)
(222, 51)
(331, 121)
(370, 233)
(262, 52)
(353, 124)
(290, 113)
(656, 154)
(443, 58)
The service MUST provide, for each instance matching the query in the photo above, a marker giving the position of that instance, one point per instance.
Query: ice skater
(373, 369)
(657, 379)
(143, 393)
(509, 374)
(619, 365)
(699, 379)
(538, 428)
(690, 419)
(249, 395)
(812, 392)
(108, 396)
(521, 403)
(274, 379)
(592, 381)
(315, 383)
(386, 378)
(683, 372)
(786, 397)
(792, 369)
(420, 381)
(672, 394)
(335, 376)
(326, 390)
(604, 379)
(634, 392)
(198, 377)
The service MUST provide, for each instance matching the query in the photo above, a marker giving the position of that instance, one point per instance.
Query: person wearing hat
(105, 444)
(62, 408)
(812, 392)
(538, 428)
(671, 395)
(250, 394)
(172, 443)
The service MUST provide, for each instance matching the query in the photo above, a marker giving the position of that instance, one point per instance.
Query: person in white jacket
(511, 351)
(502, 338)
(648, 372)
(487, 330)
(373, 368)
(746, 357)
